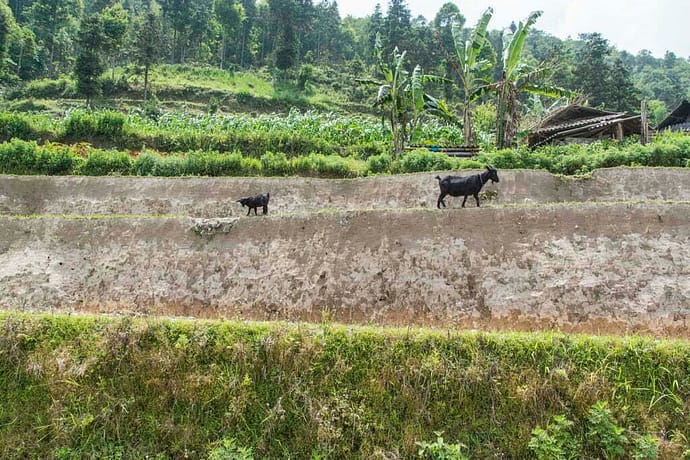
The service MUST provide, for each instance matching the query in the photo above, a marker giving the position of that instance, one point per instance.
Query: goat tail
(439, 178)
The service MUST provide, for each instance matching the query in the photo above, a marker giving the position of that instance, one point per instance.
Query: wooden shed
(679, 120)
(578, 124)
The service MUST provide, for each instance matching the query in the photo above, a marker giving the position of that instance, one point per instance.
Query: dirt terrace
(603, 267)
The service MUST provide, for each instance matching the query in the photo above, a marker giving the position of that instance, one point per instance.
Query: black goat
(469, 185)
(253, 202)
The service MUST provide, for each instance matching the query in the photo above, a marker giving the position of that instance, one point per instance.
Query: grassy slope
(181, 87)
(97, 387)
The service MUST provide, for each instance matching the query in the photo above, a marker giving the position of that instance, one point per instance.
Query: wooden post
(619, 131)
(644, 135)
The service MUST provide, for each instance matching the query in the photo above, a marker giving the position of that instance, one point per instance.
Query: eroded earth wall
(216, 197)
(595, 267)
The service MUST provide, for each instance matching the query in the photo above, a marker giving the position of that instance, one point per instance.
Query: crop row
(293, 134)
(29, 157)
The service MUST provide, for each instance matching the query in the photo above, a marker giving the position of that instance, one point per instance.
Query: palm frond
(513, 52)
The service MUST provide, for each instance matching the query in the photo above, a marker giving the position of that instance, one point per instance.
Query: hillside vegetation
(101, 387)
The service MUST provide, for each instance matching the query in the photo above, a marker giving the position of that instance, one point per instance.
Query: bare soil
(606, 254)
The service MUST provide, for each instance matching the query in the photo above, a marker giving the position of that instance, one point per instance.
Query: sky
(630, 25)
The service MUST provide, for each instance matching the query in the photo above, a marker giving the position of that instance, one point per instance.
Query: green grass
(86, 386)
(257, 84)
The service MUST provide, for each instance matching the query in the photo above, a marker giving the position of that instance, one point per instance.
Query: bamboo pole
(644, 135)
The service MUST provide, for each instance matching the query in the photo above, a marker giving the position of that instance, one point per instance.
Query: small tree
(231, 16)
(114, 20)
(468, 66)
(401, 95)
(88, 67)
(148, 42)
(518, 77)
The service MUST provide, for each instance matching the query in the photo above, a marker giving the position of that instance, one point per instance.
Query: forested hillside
(110, 48)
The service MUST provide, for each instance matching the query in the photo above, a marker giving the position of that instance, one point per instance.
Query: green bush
(110, 123)
(275, 164)
(556, 442)
(14, 125)
(49, 89)
(216, 164)
(378, 164)
(80, 124)
(145, 163)
(440, 450)
(26, 157)
(423, 160)
(328, 166)
(106, 162)
(604, 437)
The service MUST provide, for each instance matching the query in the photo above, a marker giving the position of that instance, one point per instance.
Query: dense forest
(292, 38)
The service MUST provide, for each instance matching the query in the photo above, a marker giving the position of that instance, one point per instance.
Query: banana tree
(469, 66)
(402, 98)
(519, 77)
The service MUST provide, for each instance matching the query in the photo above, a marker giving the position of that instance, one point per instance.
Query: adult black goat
(253, 202)
(468, 185)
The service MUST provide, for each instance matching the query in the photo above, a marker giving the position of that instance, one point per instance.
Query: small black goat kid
(253, 202)
(468, 185)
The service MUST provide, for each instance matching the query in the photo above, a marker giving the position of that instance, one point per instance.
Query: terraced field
(603, 254)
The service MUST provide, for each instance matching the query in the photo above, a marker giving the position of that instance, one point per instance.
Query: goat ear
(488, 168)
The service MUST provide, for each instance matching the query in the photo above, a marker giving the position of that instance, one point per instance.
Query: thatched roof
(575, 121)
(679, 120)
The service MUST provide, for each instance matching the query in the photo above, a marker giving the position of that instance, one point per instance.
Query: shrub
(18, 157)
(80, 124)
(378, 164)
(145, 164)
(555, 442)
(275, 164)
(328, 166)
(214, 164)
(440, 450)
(110, 123)
(13, 125)
(48, 89)
(106, 162)
(423, 160)
(604, 437)
(228, 449)
(23, 157)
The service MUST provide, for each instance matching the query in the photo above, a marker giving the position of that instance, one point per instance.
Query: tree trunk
(222, 48)
(644, 137)
(146, 81)
(468, 133)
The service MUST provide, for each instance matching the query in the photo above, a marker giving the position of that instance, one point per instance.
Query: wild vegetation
(80, 386)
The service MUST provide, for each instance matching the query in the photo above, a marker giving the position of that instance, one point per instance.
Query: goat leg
(476, 197)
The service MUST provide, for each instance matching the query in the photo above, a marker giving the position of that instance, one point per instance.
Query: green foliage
(555, 442)
(309, 143)
(46, 89)
(229, 450)
(82, 124)
(13, 125)
(604, 436)
(21, 157)
(379, 164)
(138, 387)
(106, 162)
(440, 450)
(646, 447)
(423, 160)
(275, 164)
